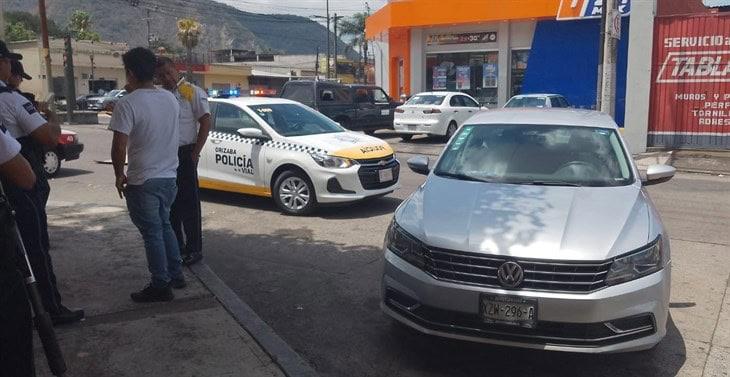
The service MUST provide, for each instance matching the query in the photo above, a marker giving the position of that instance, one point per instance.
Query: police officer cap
(5, 53)
(16, 68)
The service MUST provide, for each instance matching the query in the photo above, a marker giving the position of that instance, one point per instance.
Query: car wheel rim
(451, 131)
(294, 193)
(51, 164)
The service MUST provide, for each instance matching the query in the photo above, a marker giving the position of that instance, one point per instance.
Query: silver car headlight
(327, 161)
(405, 246)
(646, 261)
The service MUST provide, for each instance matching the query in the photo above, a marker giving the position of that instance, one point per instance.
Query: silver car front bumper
(626, 317)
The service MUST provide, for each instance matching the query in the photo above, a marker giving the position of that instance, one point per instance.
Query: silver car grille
(478, 269)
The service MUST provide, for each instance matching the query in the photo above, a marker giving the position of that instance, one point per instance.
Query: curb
(283, 355)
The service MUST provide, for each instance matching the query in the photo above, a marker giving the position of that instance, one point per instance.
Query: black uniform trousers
(16, 327)
(30, 215)
(185, 213)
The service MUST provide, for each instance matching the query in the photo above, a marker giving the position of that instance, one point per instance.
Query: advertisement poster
(690, 102)
(439, 78)
(489, 76)
(463, 77)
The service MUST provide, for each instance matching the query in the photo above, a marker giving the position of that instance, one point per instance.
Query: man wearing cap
(24, 123)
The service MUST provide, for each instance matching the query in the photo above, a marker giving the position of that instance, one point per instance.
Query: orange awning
(419, 13)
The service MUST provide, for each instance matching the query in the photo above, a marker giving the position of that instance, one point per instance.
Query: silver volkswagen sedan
(533, 230)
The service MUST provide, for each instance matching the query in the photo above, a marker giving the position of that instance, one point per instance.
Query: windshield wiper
(547, 183)
(463, 177)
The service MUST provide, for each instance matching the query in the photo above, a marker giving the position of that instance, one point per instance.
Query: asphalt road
(316, 280)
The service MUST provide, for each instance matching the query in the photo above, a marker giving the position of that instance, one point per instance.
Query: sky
(304, 7)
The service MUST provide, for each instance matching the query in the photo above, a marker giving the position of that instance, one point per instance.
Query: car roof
(554, 117)
(252, 101)
(537, 95)
(442, 93)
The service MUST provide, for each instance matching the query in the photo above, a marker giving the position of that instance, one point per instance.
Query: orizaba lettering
(29, 108)
(377, 148)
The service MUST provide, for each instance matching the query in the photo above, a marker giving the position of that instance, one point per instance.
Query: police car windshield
(289, 119)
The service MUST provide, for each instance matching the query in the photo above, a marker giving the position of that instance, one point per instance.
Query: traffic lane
(317, 284)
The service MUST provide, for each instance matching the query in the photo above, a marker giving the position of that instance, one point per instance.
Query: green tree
(80, 26)
(30, 22)
(354, 28)
(16, 31)
(188, 32)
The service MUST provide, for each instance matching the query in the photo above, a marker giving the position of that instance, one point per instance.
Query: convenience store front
(493, 50)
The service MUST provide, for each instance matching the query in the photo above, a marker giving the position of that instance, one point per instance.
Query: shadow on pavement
(358, 210)
(70, 172)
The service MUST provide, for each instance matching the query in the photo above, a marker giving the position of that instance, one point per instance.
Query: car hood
(544, 222)
(346, 144)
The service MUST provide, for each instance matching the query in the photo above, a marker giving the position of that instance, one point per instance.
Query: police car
(282, 149)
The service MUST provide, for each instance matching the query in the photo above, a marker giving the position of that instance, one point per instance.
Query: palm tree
(354, 27)
(188, 32)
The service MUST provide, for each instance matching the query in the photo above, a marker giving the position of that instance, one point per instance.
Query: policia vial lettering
(229, 157)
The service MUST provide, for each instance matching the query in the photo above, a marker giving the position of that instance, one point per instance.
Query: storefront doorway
(474, 73)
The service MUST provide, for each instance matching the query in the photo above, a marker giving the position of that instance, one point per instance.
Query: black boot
(192, 258)
(153, 294)
(66, 316)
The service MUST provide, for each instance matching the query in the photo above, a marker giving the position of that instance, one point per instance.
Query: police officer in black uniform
(16, 329)
(34, 133)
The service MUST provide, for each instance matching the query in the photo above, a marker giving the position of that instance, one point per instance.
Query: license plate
(385, 175)
(411, 127)
(508, 310)
(385, 112)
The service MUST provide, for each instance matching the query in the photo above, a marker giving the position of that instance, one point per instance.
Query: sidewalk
(691, 161)
(99, 260)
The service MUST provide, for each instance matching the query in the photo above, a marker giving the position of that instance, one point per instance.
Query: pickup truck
(356, 107)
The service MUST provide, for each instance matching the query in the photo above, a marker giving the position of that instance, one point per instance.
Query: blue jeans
(149, 208)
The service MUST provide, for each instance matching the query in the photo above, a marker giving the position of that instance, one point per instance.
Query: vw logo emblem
(510, 274)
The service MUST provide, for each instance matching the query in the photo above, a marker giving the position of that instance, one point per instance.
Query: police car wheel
(52, 163)
(294, 193)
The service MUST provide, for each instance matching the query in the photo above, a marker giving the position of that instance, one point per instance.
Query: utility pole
(336, 19)
(149, 36)
(599, 77)
(316, 66)
(2, 19)
(363, 70)
(328, 38)
(70, 80)
(46, 48)
(612, 35)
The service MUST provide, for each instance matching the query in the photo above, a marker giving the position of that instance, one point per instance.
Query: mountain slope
(224, 26)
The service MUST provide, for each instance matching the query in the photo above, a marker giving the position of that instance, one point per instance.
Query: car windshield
(432, 100)
(114, 93)
(537, 155)
(526, 102)
(295, 120)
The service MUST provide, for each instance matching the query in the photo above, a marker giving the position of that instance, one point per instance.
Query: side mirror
(656, 174)
(327, 95)
(419, 165)
(251, 133)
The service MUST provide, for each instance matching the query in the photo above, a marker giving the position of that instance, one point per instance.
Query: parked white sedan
(434, 113)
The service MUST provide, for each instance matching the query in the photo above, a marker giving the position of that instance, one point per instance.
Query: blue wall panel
(564, 60)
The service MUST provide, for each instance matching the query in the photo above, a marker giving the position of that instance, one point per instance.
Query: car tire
(51, 163)
(406, 137)
(450, 131)
(294, 194)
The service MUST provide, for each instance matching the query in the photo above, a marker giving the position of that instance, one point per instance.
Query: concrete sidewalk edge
(283, 355)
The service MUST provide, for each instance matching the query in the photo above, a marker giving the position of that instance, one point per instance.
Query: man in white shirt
(145, 125)
(34, 133)
(194, 128)
(16, 326)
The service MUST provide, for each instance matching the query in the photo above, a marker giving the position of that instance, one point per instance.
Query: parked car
(537, 100)
(356, 107)
(434, 113)
(82, 102)
(278, 148)
(68, 149)
(107, 101)
(533, 230)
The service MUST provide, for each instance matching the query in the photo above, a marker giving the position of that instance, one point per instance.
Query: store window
(519, 67)
(474, 73)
